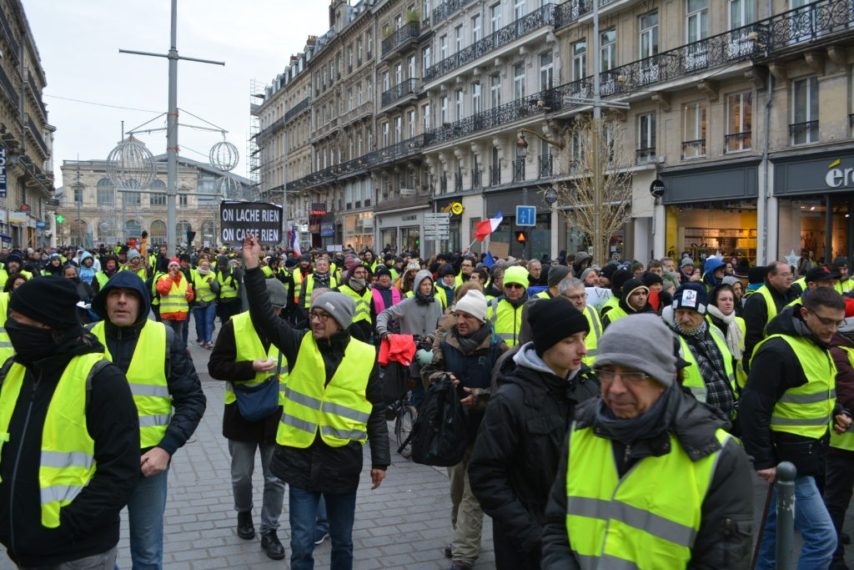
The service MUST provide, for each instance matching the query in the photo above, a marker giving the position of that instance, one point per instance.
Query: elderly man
(574, 290)
(711, 376)
(762, 306)
(519, 444)
(649, 477)
(535, 273)
(505, 311)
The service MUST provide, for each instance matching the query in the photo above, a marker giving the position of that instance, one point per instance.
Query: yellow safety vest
(146, 376)
(155, 296)
(176, 300)
(67, 449)
(6, 349)
(806, 410)
(693, 379)
(612, 303)
(4, 276)
(769, 303)
(202, 285)
(309, 287)
(544, 295)
(249, 347)
(363, 302)
(844, 286)
(628, 522)
(740, 374)
(227, 287)
(506, 320)
(614, 314)
(591, 341)
(844, 440)
(337, 410)
(268, 273)
(102, 279)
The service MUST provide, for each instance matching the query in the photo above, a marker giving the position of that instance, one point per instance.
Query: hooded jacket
(90, 524)
(776, 368)
(413, 317)
(188, 399)
(712, 264)
(87, 274)
(518, 448)
(756, 316)
(725, 534)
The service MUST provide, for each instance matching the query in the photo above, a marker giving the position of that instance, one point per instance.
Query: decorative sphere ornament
(224, 156)
(229, 188)
(130, 164)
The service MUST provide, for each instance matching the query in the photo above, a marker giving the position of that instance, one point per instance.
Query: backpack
(440, 435)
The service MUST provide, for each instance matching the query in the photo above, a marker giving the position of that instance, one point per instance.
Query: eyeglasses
(609, 374)
(319, 315)
(512, 286)
(828, 321)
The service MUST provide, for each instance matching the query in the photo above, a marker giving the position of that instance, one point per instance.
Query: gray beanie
(642, 342)
(339, 305)
(276, 290)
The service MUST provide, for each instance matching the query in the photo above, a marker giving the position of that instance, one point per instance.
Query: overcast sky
(78, 41)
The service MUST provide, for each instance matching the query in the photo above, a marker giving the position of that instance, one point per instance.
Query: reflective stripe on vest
(628, 522)
(591, 341)
(693, 379)
(176, 300)
(337, 410)
(506, 320)
(67, 461)
(362, 301)
(806, 410)
(249, 347)
(146, 377)
(844, 440)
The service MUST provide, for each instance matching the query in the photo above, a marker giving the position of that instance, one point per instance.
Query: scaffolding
(256, 97)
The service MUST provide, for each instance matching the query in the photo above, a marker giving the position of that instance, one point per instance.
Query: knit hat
(587, 272)
(729, 280)
(630, 287)
(473, 303)
(174, 261)
(382, 271)
(553, 320)
(49, 300)
(642, 342)
(557, 274)
(686, 261)
(276, 290)
(820, 273)
(339, 305)
(649, 278)
(691, 296)
(757, 274)
(133, 254)
(517, 275)
(618, 279)
(609, 270)
(741, 268)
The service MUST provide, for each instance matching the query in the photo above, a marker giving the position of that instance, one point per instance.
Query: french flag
(486, 227)
(293, 241)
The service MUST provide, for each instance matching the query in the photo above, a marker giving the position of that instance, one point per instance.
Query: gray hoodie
(412, 317)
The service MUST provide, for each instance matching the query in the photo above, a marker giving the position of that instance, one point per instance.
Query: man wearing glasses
(785, 415)
(761, 307)
(649, 478)
(466, 269)
(505, 311)
(574, 290)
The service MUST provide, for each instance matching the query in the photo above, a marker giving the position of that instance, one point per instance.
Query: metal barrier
(786, 474)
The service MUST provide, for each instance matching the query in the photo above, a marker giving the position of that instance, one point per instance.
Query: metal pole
(786, 474)
(172, 139)
(285, 195)
(598, 249)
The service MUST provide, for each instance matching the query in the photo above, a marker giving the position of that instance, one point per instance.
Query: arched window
(158, 232)
(106, 192)
(158, 199)
(208, 231)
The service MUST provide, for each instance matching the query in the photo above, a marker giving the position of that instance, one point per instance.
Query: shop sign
(17, 217)
(837, 176)
(318, 209)
(407, 192)
(3, 172)
(409, 218)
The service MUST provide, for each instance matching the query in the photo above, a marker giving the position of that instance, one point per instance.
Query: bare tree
(577, 196)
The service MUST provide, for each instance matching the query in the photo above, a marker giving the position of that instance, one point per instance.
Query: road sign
(526, 216)
(437, 218)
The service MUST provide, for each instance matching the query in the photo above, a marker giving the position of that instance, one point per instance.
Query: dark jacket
(90, 524)
(725, 534)
(845, 376)
(520, 442)
(318, 467)
(223, 365)
(774, 370)
(188, 399)
(755, 316)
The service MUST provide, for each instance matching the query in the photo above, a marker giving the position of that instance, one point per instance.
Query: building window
(608, 50)
(398, 74)
(370, 42)
(78, 194)
(519, 9)
(475, 98)
(458, 38)
(740, 13)
(132, 198)
(546, 71)
(411, 121)
(386, 81)
(739, 120)
(385, 135)
(495, 17)
(576, 151)
(411, 67)
(646, 138)
(443, 47)
(359, 51)
(519, 80)
(106, 192)
(426, 58)
(579, 60)
(648, 35)
(425, 116)
(804, 126)
(475, 28)
(183, 203)
(495, 90)
(696, 20)
(694, 130)
(459, 109)
(444, 110)
(398, 129)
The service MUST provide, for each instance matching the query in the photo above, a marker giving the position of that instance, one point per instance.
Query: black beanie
(618, 279)
(382, 271)
(552, 321)
(649, 278)
(49, 300)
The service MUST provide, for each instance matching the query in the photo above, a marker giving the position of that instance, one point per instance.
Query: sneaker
(272, 546)
(245, 527)
(320, 537)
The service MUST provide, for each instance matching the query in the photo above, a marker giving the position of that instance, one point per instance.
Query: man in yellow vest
(242, 355)
(763, 305)
(69, 436)
(556, 275)
(574, 290)
(505, 311)
(206, 288)
(356, 287)
(332, 405)
(162, 378)
(649, 478)
(785, 414)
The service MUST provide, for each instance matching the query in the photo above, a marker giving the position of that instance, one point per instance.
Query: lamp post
(522, 152)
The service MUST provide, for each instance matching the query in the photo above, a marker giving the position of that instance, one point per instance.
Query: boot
(271, 545)
(245, 528)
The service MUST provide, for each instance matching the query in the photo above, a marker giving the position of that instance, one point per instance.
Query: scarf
(648, 425)
(470, 343)
(734, 336)
(357, 285)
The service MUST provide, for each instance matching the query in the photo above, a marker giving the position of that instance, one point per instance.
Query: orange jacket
(164, 286)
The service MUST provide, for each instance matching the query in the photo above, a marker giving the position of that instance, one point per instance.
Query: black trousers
(838, 487)
(509, 554)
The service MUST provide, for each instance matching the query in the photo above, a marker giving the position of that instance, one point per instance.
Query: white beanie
(473, 303)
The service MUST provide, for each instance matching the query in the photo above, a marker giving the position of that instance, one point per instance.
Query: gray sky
(78, 41)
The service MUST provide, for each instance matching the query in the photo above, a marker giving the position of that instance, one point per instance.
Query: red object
(397, 348)
(175, 261)
(849, 307)
(483, 229)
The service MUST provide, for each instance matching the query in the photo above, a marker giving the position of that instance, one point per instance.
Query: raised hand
(251, 252)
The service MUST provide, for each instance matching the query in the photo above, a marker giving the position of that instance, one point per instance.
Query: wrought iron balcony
(807, 24)
(574, 10)
(804, 133)
(737, 142)
(476, 177)
(535, 20)
(407, 34)
(448, 7)
(458, 181)
(518, 170)
(694, 149)
(645, 155)
(9, 37)
(546, 166)
(399, 150)
(36, 94)
(399, 92)
(8, 87)
(494, 175)
(294, 111)
(37, 136)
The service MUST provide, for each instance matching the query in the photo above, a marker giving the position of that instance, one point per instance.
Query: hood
(787, 322)
(527, 357)
(85, 256)
(712, 264)
(419, 277)
(123, 280)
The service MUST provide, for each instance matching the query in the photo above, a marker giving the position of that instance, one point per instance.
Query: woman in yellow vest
(332, 405)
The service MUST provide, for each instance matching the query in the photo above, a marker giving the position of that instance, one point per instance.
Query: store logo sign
(838, 177)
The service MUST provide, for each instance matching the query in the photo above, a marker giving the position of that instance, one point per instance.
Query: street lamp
(522, 153)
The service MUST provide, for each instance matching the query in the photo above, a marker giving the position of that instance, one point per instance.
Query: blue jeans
(341, 510)
(145, 519)
(811, 519)
(322, 520)
(204, 319)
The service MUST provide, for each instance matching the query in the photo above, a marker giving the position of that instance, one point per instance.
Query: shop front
(815, 194)
(711, 210)
(400, 230)
(358, 230)
(503, 241)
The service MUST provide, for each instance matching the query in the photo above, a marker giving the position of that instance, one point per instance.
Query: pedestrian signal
(522, 236)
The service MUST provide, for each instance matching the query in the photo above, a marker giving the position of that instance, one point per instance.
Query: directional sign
(526, 216)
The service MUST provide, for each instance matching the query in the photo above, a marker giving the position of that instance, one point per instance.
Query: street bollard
(786, 473)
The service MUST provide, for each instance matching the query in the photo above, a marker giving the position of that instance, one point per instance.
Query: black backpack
(440, 435)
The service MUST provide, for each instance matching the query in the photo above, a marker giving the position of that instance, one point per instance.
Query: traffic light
(60, 218)
(522, 236)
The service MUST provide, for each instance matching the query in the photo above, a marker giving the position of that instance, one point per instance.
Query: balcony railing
(737, 142)
(36, 94)
(476, 178)
(807, 23)
(574, 10)
(645, 155)
(11, 92)
(399, 150)
(448, 7)
(804, 133)
(10, 38)
(400, 91)
(458, 181)
(694, 149)
(546, 166)
(303, 105)
(408, 33)
(518, 170)
(523, 26)
(37, 136)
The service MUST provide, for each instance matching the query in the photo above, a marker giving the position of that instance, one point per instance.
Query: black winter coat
(518, 448)
(319, 467)
(755, 316)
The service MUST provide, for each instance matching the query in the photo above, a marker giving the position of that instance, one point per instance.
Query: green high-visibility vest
(67, 461)
(614, 314)
(249, 347)
(693, 378)
(629, 522)
(591, 341)
(146, 376)
(6, 349)
(338, 410)
(506, 320)
(227, 287)
(765, 293)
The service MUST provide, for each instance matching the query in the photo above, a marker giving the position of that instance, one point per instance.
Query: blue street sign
(526, 216)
